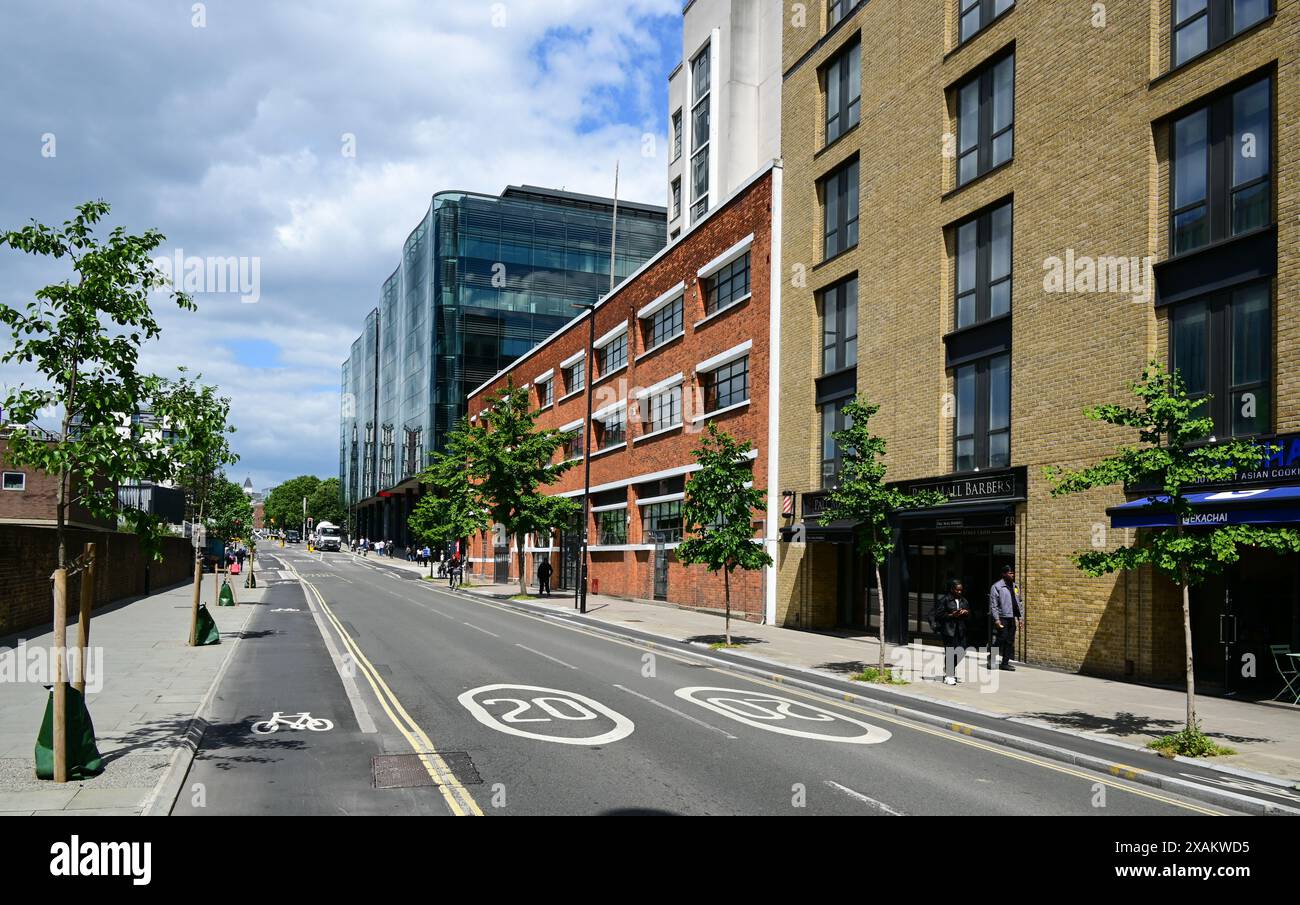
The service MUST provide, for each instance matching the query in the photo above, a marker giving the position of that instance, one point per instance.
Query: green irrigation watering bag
(83, 757)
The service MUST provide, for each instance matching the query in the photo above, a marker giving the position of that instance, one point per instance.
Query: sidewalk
(153, 686)
(1266, 736)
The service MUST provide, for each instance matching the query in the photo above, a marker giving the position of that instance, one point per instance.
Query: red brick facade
(707, 257)
(37, 502)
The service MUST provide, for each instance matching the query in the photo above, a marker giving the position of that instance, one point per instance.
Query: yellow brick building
(981, 195)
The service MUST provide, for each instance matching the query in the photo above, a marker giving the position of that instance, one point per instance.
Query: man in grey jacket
(1006, 611)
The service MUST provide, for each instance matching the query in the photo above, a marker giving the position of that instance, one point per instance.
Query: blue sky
(229, 131)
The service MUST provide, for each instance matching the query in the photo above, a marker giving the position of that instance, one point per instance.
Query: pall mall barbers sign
(991, 487)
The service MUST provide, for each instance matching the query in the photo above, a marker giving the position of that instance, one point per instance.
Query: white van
(328, 536)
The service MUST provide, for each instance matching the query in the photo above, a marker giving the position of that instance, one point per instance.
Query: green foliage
(861, 494)
(1171, 456)
(229, 512)
(718, 512)
(200, 447)
(1189, 742)
(451, 508)
(879, 676)
(284, 503)
(82, 336)
(326, 502)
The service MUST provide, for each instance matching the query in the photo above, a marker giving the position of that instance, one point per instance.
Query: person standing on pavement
(952, 613)
(544, 578)
(1007, 613)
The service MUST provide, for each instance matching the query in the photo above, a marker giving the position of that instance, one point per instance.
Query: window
(677, 134)
(611, 429)
(986, 112)
(664, 324)
(573, 376)
(545, 392)
(1221, 346)
(727, 286)
(700, 118)
(983, 281)
(15, 480)
(840, 210)
(1221, 176)
(727, 385)
(837, 10)
(1202, 24)
(677, 198)
(843, 91)
(663, 410)
(833, 421)
(840, 326)
(983, 435)
(612, 356)
(573, 446)
(977, 14)
(662, 522)
(611, 527)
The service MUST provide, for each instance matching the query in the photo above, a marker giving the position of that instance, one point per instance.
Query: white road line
(865, 799)
(547, 656)
(685, 716)
(347, 672)
(483, 630)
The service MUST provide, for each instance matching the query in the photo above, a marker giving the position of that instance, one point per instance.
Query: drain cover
(407, 771)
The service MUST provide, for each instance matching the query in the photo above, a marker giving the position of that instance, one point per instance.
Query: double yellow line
(458, 799)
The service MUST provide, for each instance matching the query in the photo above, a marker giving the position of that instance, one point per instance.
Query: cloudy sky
(230, 126)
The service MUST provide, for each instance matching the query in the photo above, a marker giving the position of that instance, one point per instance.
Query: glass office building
(482, 280)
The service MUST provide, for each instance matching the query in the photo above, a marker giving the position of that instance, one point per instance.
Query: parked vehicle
(292, 537)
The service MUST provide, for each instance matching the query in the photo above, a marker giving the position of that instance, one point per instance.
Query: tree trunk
(1187, 644)
(523, 561)
(880, 610)
(726, 594)
(87, 601)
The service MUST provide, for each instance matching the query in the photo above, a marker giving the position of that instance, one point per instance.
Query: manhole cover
(407, 771)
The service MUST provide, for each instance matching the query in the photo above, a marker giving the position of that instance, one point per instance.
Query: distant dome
(248, 486)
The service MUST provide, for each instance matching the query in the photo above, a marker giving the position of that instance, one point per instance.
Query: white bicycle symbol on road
(292, 721)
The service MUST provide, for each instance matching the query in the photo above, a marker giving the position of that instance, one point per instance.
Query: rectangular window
(728, 286)
(663, 410)
(833, 421)
(700, 119)
(664, 324)
(982, 438)
(677, 134)
(1222, 172)
(843, 79)
(573, 447)
(983, 259)
(840, 210)
(727, 385)
(837, 10)
(677, 198)
(611, 429)
(975, 15)
(545, 393)
(573, 376)
(986, 113)
(840, 326)
(611, 527)
(1221, 346)
(1199, 25)
(15, 480)
(662, 522)
(612, 356)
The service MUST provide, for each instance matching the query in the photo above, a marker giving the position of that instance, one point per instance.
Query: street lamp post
(586, 453)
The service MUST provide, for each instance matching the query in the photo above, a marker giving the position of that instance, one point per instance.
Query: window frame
(700, 149)
(1221, 27)
(4, 481)
(980, 424)
(840, 344)
(838, 179)
(652, 409)
(986, 78)
(546, 393)
(672, 313)
(669, 509)
(676, 127)
(988, 14)
(711, 382)
(833, 466)
(606, 435)
(619, 518)
(728, 273)
(576, 372)
(849, 110)
(985, 282)
(605, 364)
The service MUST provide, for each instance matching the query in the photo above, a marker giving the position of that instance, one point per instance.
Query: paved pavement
(152, 688)
(501, 711)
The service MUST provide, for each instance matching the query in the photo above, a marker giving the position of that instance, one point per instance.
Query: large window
(573, 448)
(986, 113)
(843, 91)
(611, 428)
(677, 134)
(728, 286)
(833, 420)
(1222, 347)
(983, 279)
(700, 118)
(977, 14)
(727, 385)
(611, 527)
(677, 198)
(1222, 168)
(1202, 24)
(573, 376)
(612, 356)
(663, 410)
(983, 435)
(662, 522)
(664, 324)
(545, 392)
(840, 326)
(840, 210)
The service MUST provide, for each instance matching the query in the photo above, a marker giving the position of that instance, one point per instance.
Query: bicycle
(455, 578)
(301, 721)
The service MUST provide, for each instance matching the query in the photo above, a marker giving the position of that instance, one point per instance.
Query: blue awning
(1254, 506)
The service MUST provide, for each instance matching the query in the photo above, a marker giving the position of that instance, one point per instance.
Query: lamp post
(590, 308)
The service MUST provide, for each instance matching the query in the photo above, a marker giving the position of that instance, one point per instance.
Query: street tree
(451, 508)
(325, 503)
(1172, 456)
(718, 513)
(861, 495)
(510, 462)
(284, 503)
(82, 336)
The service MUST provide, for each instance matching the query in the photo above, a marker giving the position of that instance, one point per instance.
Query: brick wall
(28, 556)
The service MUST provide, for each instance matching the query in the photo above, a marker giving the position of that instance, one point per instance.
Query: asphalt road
(468, 706)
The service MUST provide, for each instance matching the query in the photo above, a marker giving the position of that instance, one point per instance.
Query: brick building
(999, 211)
(683, 341)
(29, 496)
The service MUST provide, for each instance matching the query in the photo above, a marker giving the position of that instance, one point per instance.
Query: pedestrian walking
(544, 578)
(1007, 613)
(453, 571)
(949, 620)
